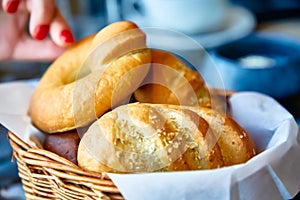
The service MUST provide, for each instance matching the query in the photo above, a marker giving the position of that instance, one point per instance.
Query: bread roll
(171, 81)
(74, 90)
(143, 137)
(63, 144)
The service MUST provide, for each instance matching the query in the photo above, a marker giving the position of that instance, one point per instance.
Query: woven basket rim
(38, 168)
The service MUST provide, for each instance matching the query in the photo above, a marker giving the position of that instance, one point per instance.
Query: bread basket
(46, 175)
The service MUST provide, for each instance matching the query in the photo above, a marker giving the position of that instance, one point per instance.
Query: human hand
(41, 17)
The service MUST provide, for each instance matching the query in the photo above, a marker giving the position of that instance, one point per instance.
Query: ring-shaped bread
(172, 82)
(52, 105)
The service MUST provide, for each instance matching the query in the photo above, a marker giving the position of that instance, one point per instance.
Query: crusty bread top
(155, 137)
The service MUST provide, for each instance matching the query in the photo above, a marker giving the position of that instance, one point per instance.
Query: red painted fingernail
(12, 6)
(66, 36)
(41, 32)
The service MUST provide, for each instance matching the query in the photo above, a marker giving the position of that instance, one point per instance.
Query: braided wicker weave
(46, 175)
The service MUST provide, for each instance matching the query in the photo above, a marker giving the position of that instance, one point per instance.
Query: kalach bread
(74, 91)
(171, 81)
(143, 137)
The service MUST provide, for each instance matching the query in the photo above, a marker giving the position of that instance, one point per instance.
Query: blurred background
(243, 18)
(269, 24)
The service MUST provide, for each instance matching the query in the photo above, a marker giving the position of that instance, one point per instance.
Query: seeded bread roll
(143, 137)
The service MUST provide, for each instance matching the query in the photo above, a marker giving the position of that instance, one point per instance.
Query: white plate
(240, 23)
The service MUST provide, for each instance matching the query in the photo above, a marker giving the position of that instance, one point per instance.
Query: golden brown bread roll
(171, 81)
(143, 137)
(74, 91)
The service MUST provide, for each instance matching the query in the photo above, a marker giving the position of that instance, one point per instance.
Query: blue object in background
(8, 169)
(271, 9)
(262, 62)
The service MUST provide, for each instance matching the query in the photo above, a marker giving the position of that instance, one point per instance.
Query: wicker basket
(46, 175)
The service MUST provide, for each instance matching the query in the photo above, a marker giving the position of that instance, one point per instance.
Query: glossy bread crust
(79, 86)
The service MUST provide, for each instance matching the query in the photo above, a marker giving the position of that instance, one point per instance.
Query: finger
(33, 50)
(12, 29)
(60, 31)
(42, 14)
(10, 6)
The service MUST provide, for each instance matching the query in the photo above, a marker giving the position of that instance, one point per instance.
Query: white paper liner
(272, 174)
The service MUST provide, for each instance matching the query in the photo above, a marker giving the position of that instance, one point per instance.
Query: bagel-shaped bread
(141, 137)
(171, 81)
(89, 77)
